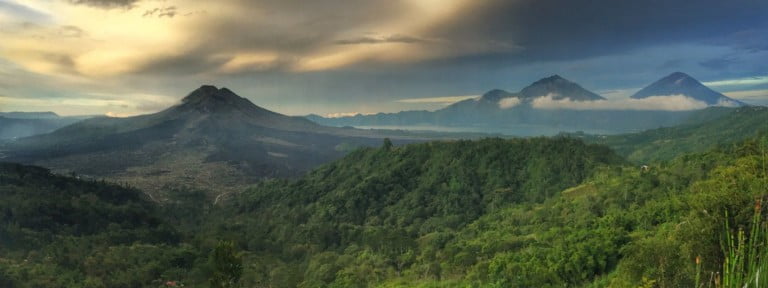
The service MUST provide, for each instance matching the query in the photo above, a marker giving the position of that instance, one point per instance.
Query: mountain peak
(495, 95)
(553, 78)
(210, 92)
(209, 98)
(221, 104)
(680, 79)
(679, 74)
(679, 83)
(559, 88)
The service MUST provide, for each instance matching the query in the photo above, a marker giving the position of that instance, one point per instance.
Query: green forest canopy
(541, 212)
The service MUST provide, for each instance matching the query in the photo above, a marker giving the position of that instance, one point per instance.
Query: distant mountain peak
(680, 79)
(495, 95)
(559, 88)
(679, 83)
(553, 78)
(679, 74)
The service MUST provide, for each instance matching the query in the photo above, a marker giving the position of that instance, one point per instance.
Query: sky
(341, 57)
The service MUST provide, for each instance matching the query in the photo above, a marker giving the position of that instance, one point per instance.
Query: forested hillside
(59, 231)
(491, 213)
(705, 130)
(379, 204)
(495, 215)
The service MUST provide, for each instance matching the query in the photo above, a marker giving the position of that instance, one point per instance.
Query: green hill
(704, 130)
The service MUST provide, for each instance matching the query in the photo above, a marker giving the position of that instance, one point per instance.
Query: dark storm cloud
(561, 30)
(106, 4)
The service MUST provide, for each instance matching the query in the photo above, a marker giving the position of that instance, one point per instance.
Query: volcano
(213, 139)
(679, 83)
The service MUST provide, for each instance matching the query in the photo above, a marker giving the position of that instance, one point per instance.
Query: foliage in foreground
(745, 262)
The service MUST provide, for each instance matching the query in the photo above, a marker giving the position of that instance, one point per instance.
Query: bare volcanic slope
(213, 140)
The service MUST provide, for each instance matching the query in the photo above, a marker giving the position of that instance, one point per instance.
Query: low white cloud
(618, 93)
(662, 103)
(509, 102)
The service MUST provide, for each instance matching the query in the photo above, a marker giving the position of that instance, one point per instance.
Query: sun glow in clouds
(85, 43)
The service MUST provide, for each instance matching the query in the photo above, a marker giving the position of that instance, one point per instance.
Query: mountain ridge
(212, 139)
(30, 115)
(500, 111)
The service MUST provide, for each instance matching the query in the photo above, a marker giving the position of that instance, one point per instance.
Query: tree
(227, 265)
(387, 144)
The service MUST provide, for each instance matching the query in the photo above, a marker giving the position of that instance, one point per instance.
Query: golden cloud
(123, 41)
